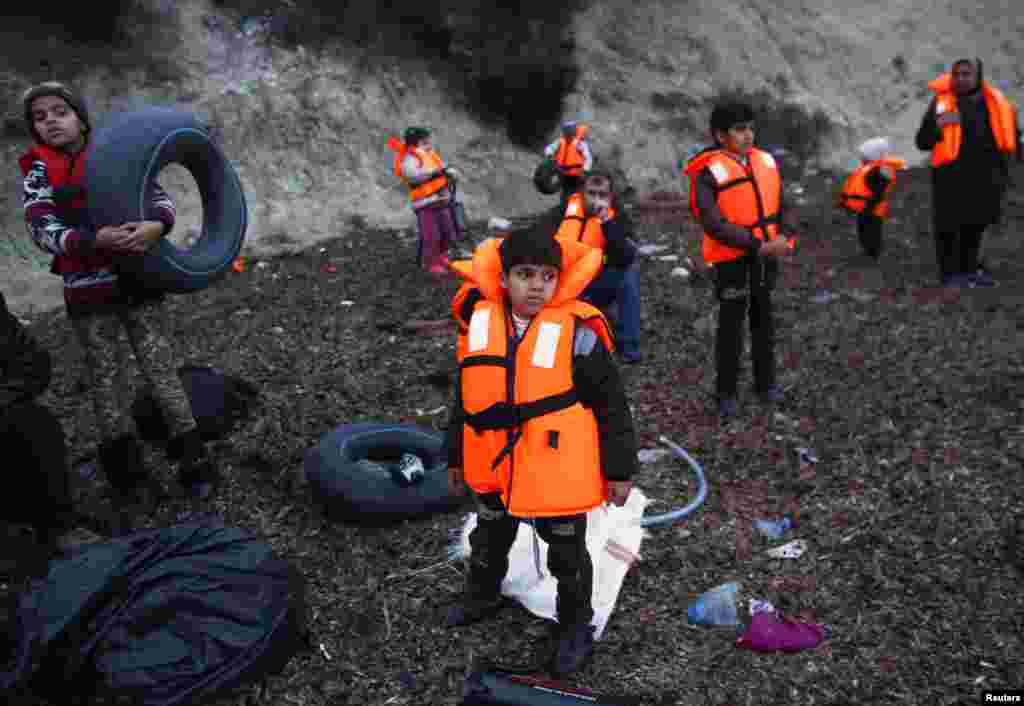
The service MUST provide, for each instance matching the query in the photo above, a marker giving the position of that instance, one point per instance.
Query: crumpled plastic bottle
(715, 607)
(774, 529)
(409, 469)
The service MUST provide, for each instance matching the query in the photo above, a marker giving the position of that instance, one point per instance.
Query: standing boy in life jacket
(590, 218)
(420, 168)
(541, 429)
(100, 301)
(866, 193)
(572, 155)
(736, 195)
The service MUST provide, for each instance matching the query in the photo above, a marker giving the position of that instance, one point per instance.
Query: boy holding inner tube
(100, 301)
(541, 429)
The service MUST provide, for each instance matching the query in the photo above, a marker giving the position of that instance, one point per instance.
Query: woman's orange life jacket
(855, 194)
(430, 158)
(576, 226)
(748, 196)
(525, 434)
(1002, 118)
(63, 170)
(568, 155)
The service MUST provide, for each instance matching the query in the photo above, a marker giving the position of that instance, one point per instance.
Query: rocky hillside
(307, 122)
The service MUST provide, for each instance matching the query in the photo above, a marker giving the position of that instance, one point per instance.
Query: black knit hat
(415, 134)
(54, 88)
(534, 245)
(728, 115)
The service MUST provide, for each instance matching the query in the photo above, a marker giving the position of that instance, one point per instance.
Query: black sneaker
(575, 646)
(728, 408)
(470, 610)
(773, 395)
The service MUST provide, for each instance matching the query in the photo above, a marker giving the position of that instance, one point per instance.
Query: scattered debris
(790, 550)
(648, 456)
(680, 272)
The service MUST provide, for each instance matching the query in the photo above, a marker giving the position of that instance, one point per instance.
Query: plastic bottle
(715, 607)
(774, 529)
(409, 469)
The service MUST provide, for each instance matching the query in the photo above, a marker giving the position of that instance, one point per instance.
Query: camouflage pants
(106, 364)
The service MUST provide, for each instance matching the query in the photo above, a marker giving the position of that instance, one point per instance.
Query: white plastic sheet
(613, 538)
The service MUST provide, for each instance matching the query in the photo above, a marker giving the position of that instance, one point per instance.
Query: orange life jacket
(430, 158)
(748, 196)
(855, 193)
(568, 155)
(543, 452)
(1002, 118)
(577, 227)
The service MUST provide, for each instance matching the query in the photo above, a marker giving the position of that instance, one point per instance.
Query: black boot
(135, 489)
(574, 644)
(196, 473)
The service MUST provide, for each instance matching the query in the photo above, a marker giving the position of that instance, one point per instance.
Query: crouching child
(541, 429)
(866, 193)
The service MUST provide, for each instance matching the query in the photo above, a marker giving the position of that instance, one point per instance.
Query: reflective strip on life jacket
(747, 196)
(1002, 119)
(855, 193)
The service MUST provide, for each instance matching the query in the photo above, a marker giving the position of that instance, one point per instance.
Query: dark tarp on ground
(158, 618)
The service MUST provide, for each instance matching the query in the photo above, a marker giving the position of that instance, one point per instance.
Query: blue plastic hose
(702, 490)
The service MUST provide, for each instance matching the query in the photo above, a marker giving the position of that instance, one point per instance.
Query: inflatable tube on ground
(547, 178)
(126, 156)
(218, 402)
(702, 491)
(349, 473)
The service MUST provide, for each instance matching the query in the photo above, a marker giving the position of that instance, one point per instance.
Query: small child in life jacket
(101, 300)
(541, 429)
(866, 192)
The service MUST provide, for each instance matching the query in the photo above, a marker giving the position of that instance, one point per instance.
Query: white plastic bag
(613, 538)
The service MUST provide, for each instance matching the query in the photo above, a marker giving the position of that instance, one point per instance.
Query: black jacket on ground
(25, 368)
(969, 190)
(599, 388)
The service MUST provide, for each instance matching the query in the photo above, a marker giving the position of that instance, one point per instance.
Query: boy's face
(530, 288)
(57, 124)
(739, 139)
(965, 78)
(597, 196)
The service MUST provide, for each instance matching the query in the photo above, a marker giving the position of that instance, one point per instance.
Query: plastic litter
(790, 550)
(680, 272)
(498, 687)
(238, 264)
(773, 529)
(806, 455)
(651, 248)
(614, 536)
(410, 468)
(824, 297)
(649, 456)
(499, 224)
(771, 631)
(715, 607)
(668, 258)
(328, 268)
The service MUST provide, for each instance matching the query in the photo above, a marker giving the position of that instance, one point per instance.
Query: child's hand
(143, 235)
(114, 238)
(618, 491)
(456, 483)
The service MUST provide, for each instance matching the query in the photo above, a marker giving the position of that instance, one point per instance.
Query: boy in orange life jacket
(736, 195)
(867, 190)
(101, 301)
(541, 428)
